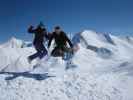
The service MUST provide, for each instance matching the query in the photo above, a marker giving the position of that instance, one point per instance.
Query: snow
(13, 43)
(95, 78)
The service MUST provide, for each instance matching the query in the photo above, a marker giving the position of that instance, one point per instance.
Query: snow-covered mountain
(13, 43)
(104, 71)
(128, 39)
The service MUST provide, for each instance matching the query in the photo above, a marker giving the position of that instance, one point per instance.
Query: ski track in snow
(95, 78)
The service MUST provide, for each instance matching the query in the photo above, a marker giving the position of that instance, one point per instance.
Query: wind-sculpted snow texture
(105, 73)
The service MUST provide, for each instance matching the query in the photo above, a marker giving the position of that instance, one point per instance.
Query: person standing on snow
(76, 40)
(40, 33)
(61, 41)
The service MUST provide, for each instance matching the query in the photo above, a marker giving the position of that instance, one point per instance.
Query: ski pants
(41, 51)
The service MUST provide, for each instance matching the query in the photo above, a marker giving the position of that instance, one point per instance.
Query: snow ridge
(103, 73)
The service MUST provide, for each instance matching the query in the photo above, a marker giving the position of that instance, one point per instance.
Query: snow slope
(95, 78)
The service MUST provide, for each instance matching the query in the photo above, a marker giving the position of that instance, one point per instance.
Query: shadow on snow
(14, 75)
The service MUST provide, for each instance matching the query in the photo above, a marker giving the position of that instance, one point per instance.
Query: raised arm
(31, 30)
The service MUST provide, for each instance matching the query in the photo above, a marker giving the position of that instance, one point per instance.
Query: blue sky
(115, 16)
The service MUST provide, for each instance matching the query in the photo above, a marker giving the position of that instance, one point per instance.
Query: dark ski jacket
(60, 39)
(40, 34)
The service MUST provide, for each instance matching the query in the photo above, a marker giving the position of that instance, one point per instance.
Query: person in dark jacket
(40, 33)
(61, 41)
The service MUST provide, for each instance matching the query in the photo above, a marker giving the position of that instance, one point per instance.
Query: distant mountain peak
(13, 42)
(13, 39)
(97, 37)
(89, 31)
